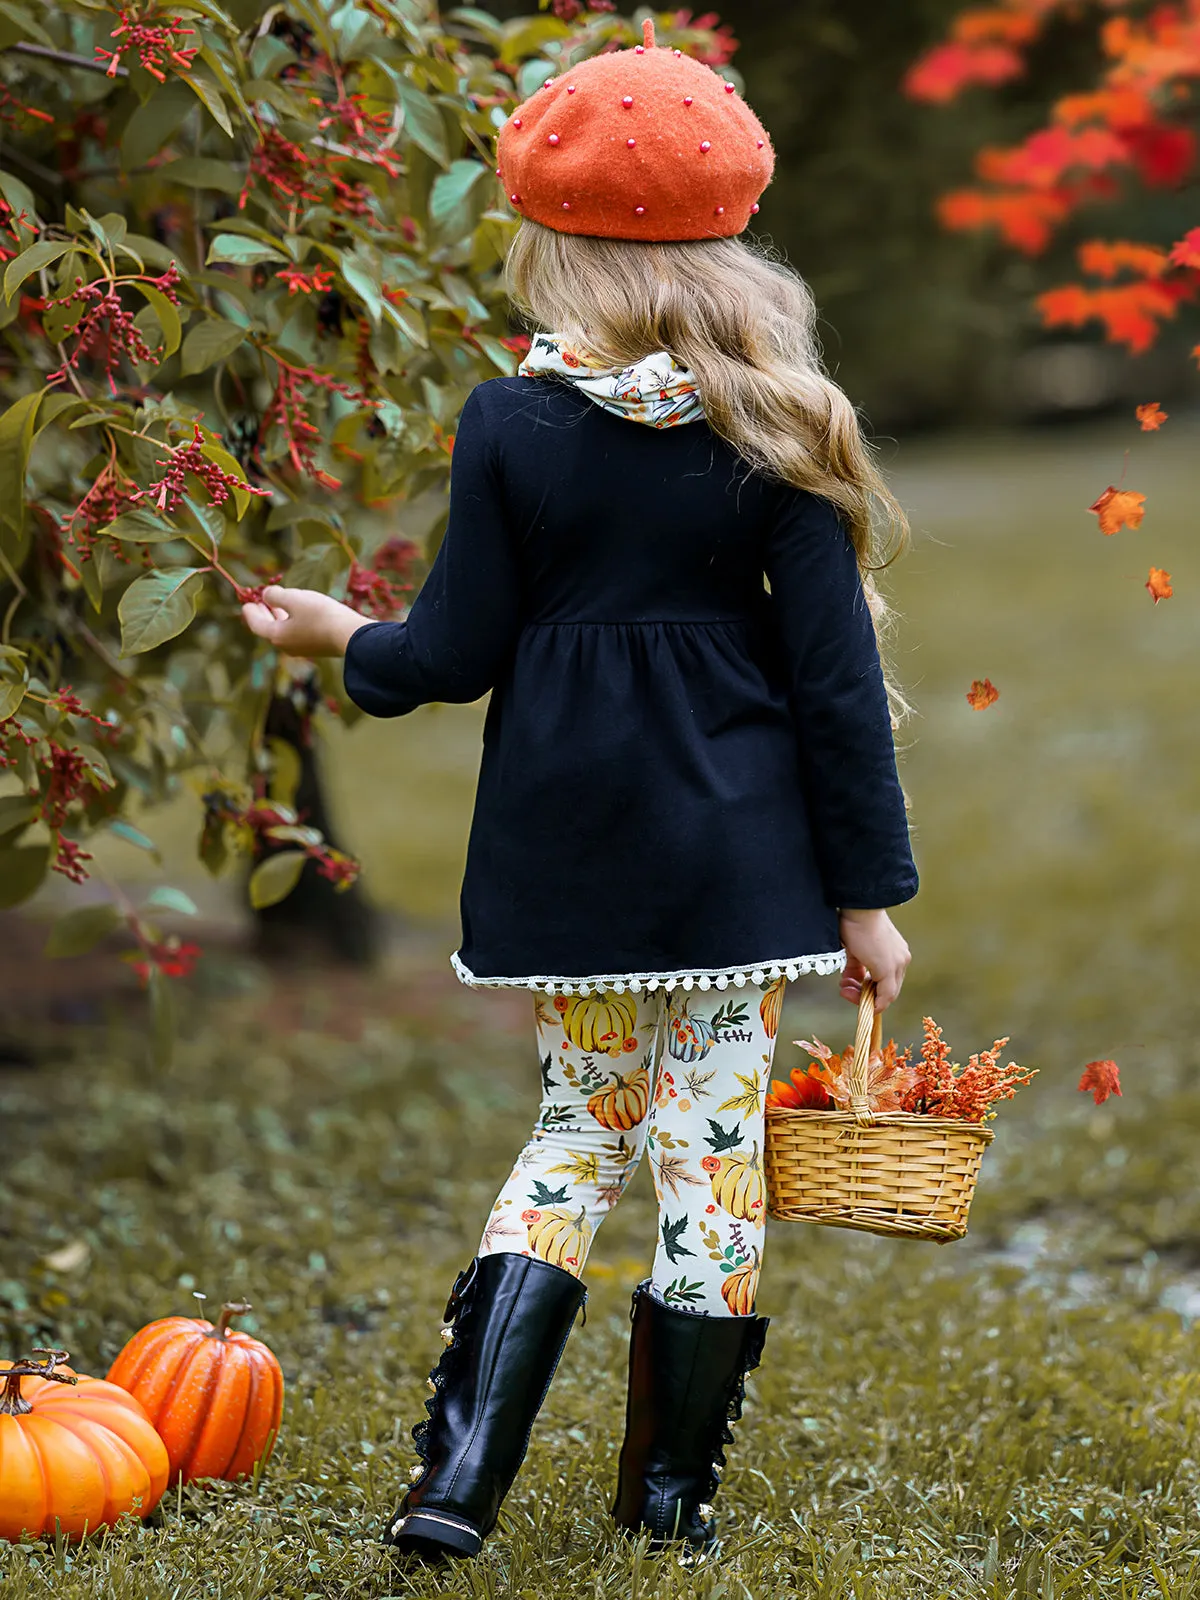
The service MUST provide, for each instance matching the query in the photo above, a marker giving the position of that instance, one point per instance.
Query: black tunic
(683, 775)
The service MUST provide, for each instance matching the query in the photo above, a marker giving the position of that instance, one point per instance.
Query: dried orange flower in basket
(932, 1085)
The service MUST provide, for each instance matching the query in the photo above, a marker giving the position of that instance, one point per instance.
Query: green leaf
(33, 260)
(140, 527)
(457, 199)
(151, 251)
(202, 172)
(316, 567)
(19, 195)
(16, 439)
(166, 898)
(275, 878)
(239, 251)
(21, 873)
(20, 18)
(422, 120)
(93, 583)
(210, 98)
(11, 695)
(78, 931)
(16, 811)
(149, 129)
(358, 278)
(167, 314)
(131, 835)
(209, 342)
(158, 606)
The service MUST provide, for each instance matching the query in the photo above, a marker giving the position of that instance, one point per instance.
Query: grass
(1013, 1416)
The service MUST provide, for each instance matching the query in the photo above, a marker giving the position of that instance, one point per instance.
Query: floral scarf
(655, 390)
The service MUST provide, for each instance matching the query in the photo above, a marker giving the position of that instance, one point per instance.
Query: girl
(658, 561)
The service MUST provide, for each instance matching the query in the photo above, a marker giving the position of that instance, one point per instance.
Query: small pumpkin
(559, 1236)
(689, 1038)
(771, 1006)
(214, 1393)
(623, 1103)
(601, 1024)
(737, 1183)
(76, 1458)
(741, 1285)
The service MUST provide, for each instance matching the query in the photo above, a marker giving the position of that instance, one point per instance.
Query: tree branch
(65, 58)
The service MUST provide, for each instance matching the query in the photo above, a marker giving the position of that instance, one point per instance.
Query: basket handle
(867, 1039)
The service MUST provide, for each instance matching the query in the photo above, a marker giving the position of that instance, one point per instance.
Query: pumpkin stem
(12, 1402)
(231, 1309)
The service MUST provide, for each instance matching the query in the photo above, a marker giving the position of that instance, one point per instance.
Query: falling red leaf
(1102, 1078)
(1187, 252)
(1151, 417)
(982, 694)
(1119, 508)
(1159, 585)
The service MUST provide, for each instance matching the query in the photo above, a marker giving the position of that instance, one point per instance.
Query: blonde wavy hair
(744, 323)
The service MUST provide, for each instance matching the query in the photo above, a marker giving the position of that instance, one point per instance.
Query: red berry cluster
(158, 45)
(108, 497)
(288, 411)
(106, 329)
(168, 491)
(171, 956)
(340, 869)
(378, 590)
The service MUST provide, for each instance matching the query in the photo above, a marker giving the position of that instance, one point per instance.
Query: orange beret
(636, 144)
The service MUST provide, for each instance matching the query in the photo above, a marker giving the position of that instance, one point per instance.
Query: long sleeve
(839, 703)
(461, 629)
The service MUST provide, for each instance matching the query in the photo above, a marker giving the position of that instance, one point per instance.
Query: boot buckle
(461, 1284)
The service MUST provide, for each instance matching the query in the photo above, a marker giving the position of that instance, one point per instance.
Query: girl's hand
(302, 622)
(876, 949)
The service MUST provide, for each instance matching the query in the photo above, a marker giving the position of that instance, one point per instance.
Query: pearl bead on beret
(636, 144)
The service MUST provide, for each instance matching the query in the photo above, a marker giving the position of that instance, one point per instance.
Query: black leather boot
(508, 1318)
(687, 1381)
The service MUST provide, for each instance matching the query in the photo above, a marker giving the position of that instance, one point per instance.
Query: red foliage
(1119, 508)
(1100, 1079)
(1159, 585)
(982, 694)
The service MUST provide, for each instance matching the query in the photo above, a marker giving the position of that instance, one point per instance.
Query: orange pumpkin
(624, 1102)
(741, 1285)
(771, 1006)
(75, 1458)
(214, 1393)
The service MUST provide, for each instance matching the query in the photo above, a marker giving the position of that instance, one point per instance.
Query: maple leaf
(1187, 252)
(580, 1167)
(982, 694)
(672, 1171)
(750, 1098)
(670, 1238)
(947, 69)
(988, 24)
(1122, 108)
(1159, 585)
(1163, 155)
(547, 1081)
(696, 1083)
(542, 1196)
(1102, 1078)
(720, 1140)
(1151, 416)
(1119, 508)
(1105, 258)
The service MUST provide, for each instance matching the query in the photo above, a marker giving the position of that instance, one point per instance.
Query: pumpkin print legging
(680, 1075)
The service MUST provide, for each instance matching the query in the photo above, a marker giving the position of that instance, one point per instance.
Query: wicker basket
(898, 1173)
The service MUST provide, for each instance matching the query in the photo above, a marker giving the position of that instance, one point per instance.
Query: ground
(1013, 1415)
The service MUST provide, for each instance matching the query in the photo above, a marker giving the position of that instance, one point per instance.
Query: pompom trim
(712, 978)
